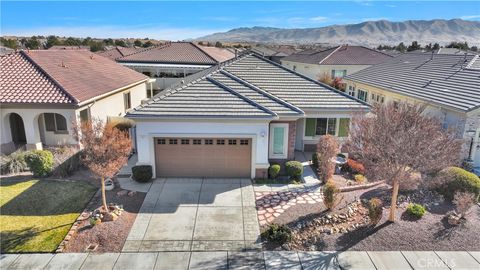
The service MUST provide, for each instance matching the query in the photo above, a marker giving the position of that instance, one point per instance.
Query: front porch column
(32, 132)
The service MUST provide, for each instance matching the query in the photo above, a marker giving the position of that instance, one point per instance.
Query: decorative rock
(132, 193)
(122, 192)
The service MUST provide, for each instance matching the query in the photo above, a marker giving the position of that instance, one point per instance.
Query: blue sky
(182, 20)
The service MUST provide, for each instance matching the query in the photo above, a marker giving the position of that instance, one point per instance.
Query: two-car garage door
(203, 157)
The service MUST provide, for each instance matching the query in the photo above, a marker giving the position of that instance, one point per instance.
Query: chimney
(236, 53)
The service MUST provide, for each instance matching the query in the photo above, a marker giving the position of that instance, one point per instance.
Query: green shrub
(274, 170)
(276, 233)
(315, 160)
(456, 179)
(330, 194)
(40, 162)
(416, 210)
(294, 169)
(142, 173)
(360, 179)
(13, 163)
(375, 210)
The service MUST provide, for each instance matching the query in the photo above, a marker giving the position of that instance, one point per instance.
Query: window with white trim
(351, 90)
(278, 140)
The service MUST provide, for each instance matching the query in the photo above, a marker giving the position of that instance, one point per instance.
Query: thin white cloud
(107, 31)
(374, 19)
(319, 19)
(469, 17)
(391, 6)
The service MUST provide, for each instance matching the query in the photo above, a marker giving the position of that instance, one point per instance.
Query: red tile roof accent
(118, 52)
(219, 54)
(61, 76)
(172, 53)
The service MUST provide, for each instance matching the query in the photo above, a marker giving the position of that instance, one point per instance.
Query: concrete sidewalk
(247, 260)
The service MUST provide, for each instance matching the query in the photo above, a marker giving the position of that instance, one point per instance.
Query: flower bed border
(358, 187)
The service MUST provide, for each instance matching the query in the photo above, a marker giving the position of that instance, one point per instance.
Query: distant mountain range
(365, 33)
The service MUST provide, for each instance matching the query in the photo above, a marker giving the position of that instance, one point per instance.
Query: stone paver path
(272, 204)
(196, 215)
(269, 260)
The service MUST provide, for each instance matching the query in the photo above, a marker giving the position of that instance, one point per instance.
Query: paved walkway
(196, 215)
(309, 176)
(246, 260)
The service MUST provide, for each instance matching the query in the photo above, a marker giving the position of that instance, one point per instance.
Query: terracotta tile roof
(118, 52)
(171, 53)
(340, 55)
(23, 82)
(61, 76)
(219, 54)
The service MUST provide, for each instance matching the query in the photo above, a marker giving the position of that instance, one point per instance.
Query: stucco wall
(314, 71)
(256, 130)
(31, 119)
(113, 105)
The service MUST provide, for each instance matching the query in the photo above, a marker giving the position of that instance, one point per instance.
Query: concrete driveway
(181, 214)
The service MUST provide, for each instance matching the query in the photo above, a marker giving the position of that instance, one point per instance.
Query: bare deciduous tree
(105, 149)
(327, 149)
(399, 141)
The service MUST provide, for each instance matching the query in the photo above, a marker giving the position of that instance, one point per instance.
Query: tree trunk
(393, 206)
(104, 196)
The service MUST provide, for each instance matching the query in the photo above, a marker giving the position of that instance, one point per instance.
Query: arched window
(55, 122)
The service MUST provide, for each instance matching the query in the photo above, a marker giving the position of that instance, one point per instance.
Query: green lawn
(37, 214)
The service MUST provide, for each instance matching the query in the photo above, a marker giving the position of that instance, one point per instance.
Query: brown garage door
(203, 157)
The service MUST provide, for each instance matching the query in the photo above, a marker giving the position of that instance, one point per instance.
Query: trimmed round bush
(330, 192)
(40, 162)
(416, 210)
(375, 210)
(142, 173)
(294, 169)
(274, 170)
(458, 180)
(276, 233)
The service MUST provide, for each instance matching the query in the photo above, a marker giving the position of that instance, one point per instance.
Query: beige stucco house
(448, 83)
(44, 92)
(236, 118)
(336, 62)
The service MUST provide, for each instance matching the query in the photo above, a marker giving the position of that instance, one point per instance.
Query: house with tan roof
(170, 63)
(336, 62)
(448, 83)
(237, 117)
(43, 92)
(118, 52)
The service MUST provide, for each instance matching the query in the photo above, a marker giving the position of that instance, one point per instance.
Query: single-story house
(448, 83)
(43, 92)
(170, 63)
(234, 119)
(118, 52)
(337, 62)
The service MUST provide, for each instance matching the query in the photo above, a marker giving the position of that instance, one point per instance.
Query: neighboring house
(336, 62)
(234, 119)
(118, 52)
(172, 62)
(449, 84)
(43, 92)
(5, 50)
(271, 54)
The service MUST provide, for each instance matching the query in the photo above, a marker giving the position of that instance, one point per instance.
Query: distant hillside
(365, 33)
